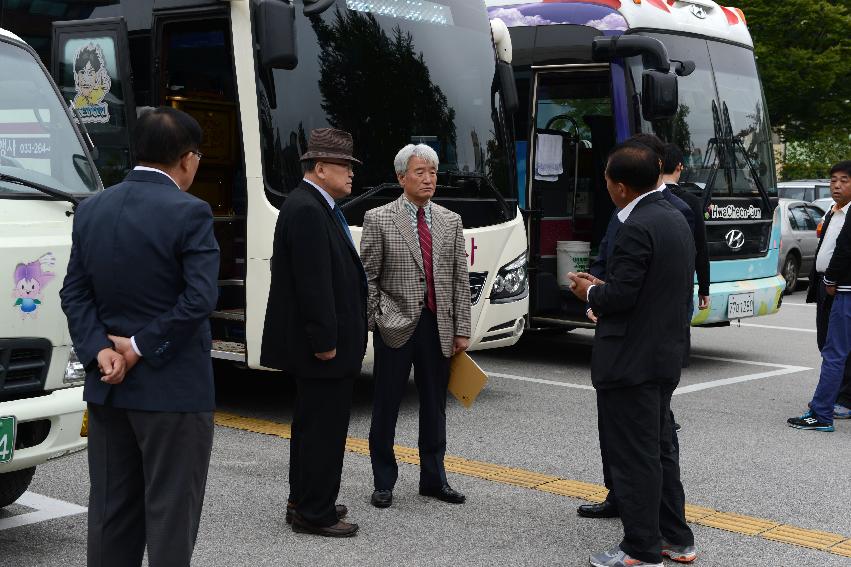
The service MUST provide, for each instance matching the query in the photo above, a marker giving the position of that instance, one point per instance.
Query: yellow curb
(835, 544)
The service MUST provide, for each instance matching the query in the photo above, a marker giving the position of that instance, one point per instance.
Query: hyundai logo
(698, 11)
(735, 239)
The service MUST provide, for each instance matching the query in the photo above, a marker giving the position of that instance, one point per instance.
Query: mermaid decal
(30, 280)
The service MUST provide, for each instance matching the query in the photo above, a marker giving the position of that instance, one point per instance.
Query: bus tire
(791, 267)
(14, 484)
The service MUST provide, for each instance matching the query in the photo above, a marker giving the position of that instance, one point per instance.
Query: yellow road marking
(836, 544)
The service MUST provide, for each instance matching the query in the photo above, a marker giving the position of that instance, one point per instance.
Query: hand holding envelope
(466, 379)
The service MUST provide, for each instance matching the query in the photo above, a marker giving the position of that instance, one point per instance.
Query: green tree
(811, 159)
(803, 49)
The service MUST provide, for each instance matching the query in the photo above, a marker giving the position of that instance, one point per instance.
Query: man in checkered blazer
(419, 311)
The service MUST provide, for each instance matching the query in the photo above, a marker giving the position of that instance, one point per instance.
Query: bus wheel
(790, 273)
(14, 484)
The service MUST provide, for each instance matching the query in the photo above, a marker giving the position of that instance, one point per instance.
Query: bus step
(229, 315)
(226, 350)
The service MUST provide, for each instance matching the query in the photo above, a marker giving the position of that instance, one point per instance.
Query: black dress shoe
(340, 529)
(341, 510)
(444, 493)
(604, 509)
(382, 498)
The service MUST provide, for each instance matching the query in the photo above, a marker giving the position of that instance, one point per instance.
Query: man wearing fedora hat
(315, 329)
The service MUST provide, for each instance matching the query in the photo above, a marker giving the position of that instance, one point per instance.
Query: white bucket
(572, 256)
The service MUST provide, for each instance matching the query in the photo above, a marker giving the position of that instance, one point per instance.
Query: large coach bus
(259, 75)
(582, 72)
(46, 168)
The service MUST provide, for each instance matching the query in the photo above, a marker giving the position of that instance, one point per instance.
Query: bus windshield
(391, 77)
(37, 143)
(722, 119)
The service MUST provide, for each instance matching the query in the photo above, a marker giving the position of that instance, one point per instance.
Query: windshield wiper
(57, 194)
(370, 191)
(726, 146)
(486, 181)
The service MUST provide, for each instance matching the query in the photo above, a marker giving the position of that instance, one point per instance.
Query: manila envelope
(466, 379)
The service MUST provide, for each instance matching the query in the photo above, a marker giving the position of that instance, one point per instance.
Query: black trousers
(318, 444)
(823, 306)
(644, 468)
(431, 375)
(148, 473)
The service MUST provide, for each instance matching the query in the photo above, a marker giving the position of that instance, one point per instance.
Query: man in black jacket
(636, 363)
(833, 317)
(672, 169)
(840, 190)
(315, 329)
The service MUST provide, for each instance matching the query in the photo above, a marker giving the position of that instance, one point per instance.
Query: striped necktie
(425, 247)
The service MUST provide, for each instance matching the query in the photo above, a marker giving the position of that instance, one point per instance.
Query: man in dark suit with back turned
(141, 284)
(315, 329)
(638, 351)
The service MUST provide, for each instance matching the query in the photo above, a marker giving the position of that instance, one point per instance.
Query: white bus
(45, 169)
(259, 75)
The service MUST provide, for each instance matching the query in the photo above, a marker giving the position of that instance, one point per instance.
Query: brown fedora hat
(330, 144)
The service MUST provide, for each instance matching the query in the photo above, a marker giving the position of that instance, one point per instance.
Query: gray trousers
(148, 473)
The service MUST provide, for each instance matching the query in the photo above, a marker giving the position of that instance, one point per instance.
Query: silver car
(798, 239)
(804, 189)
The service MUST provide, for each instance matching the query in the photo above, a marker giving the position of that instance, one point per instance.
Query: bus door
(572, 133)
(193, 71)
(91, 65)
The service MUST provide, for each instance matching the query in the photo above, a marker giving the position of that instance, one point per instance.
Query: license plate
(740, 305)
(7, 438)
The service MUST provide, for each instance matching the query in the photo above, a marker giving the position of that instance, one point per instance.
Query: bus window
(426, 82)
(91, 67)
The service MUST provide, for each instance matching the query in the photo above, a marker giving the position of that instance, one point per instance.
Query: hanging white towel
(548, 157)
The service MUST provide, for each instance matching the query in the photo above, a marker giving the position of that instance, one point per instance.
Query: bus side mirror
(276, 39)
(508, 87)
(659, 95)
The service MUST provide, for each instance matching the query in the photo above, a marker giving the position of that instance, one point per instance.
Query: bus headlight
(74, 370)
(511, 282)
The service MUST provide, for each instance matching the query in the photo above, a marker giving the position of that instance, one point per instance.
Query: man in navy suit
(141, 284)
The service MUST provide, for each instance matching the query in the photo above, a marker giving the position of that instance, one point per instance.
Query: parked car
(824, 204)
(804, 189)
(798, 240)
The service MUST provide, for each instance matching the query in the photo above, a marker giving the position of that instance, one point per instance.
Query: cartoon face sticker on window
(92, 83)
(30, 279)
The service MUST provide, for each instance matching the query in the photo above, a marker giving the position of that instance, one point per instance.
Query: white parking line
(779, 370)
(540, 381)
(44, 508)
(797, 329)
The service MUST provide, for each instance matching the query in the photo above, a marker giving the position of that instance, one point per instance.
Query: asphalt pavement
(538, 414)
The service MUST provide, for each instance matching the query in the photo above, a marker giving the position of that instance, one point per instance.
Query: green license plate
(7, 438)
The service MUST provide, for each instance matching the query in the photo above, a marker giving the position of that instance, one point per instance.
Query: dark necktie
(339, 213)
(425, 247)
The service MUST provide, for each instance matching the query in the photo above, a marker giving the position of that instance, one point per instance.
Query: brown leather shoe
(341, 510)
(340, 529)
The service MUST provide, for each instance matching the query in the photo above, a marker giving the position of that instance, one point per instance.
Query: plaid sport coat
(391, 255)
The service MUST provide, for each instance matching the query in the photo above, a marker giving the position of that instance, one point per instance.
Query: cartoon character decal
(92, 83)
(30, 279)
